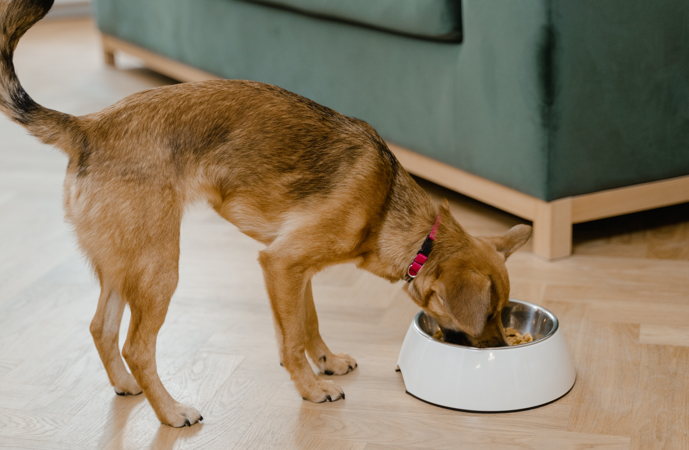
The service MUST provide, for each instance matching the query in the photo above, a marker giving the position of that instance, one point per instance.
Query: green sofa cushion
(431, 19)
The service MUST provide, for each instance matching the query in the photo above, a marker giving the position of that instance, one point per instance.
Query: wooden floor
(622, 299)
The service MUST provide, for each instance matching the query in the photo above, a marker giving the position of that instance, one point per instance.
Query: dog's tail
(51, 127)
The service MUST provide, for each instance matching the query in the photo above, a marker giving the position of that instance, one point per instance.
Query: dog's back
(258, 154)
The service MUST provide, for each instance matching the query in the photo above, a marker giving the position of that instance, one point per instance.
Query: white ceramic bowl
(489, 379)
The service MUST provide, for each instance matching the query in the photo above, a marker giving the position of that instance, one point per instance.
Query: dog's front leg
(318, 351)
(286, 282)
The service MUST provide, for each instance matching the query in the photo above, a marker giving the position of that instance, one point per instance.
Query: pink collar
(422, 255)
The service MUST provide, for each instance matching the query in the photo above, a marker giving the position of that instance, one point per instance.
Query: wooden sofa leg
(552, 233)
(108, 53)
(109, 57)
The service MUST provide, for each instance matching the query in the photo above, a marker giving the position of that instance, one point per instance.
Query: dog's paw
(322, 391)
(127, 386)
(181, 416)
(339, 364)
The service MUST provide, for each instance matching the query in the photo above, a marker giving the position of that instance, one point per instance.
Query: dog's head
(467, 289)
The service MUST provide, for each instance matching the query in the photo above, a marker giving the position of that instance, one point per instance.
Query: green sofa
(544, 108)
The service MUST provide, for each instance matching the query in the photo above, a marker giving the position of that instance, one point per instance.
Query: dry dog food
(514, 337)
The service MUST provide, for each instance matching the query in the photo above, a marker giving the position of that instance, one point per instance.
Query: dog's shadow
(166, 436)
(114, 436)
(121, 409)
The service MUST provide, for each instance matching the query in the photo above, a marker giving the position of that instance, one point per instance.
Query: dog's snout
(455, 337)
(493, 335)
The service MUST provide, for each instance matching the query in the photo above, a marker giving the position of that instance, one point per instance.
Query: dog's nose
(460, 338)
(455, 337)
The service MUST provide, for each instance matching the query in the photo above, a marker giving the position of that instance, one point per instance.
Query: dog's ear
(509, 242)
(466, 297)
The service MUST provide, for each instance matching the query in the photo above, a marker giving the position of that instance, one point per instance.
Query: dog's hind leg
(318, 351)
(286, 282)
(105, 329)
(148, 289)
(278, 339)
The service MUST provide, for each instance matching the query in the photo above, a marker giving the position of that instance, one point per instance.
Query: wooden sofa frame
(552, 221)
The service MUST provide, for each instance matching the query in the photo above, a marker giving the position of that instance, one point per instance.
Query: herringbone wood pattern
(625, 313)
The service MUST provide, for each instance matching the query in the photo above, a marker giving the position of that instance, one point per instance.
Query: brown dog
(316, 187)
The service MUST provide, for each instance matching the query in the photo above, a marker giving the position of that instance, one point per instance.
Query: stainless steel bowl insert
(522, 316)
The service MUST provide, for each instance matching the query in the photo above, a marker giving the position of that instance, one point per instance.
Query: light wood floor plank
(8, 365)
(387, 402)
(399, 314)
(669, 293)
(662, 400)
(607, 360)
(17, 396)
(312, 443)
(279, 428)
(664, 334)
(9, 443)
(411, 431)
(15, 423)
